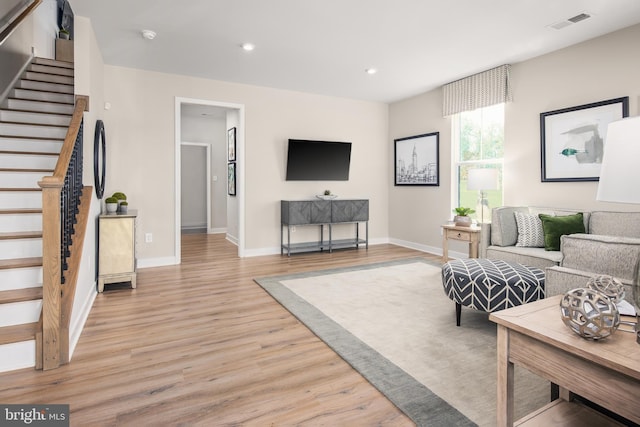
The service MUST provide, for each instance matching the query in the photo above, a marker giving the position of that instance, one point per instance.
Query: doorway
(205, 123)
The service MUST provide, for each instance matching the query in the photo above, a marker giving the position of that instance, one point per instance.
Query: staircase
(33, 123)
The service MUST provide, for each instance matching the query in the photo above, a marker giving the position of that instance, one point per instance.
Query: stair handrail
(20, 13)
(61, 194)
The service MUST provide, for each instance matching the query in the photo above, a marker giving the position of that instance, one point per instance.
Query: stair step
(32, 130)
(6, 264)
(14, 235)
(22, 178)
(28, 159)
(52, 62)
(20, 222)
(18, 295)
(13, 200)
(35, 117)
(20, 211)
(43, 95)
(45, 86)
(20, 248)
(17, 144)
(17, 333)
(27, 105)
(51, 69)
(49, 78)
(19, 278)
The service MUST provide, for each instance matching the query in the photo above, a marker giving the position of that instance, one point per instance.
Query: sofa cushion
(556, 226)
(611, 255)
(533, 257)
(530, 233)
(623, 224)
(504, 231)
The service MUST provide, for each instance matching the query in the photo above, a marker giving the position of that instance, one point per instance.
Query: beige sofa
(611, 245)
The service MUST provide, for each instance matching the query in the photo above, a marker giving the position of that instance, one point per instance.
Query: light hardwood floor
(203, 344)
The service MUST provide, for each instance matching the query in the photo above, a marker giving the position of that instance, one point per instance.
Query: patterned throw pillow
(530, 231)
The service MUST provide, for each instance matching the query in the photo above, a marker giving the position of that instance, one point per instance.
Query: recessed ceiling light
(148, 34)
(248, 46)
(371, 70)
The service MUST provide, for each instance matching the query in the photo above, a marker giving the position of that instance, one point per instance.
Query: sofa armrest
(614, 256)
(559, 280)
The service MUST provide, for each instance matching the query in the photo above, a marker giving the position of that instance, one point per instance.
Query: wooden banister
(51, 344)
(18, 18)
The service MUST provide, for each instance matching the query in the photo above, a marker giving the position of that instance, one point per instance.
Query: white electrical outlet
(148, 238)
(293, 229)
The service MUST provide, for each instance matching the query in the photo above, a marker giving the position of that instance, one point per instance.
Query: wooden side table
(605, 372)
(465, 234)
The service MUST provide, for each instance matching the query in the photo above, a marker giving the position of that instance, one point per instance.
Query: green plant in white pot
(124, 207)
(111, 203)
(462, 218)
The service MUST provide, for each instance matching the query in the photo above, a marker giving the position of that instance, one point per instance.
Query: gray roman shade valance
(479, 90)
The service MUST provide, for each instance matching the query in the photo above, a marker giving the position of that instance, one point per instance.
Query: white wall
(141, 157)
(193, 184)
(596, 70)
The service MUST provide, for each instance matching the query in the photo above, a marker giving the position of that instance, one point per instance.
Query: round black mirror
(99, 158)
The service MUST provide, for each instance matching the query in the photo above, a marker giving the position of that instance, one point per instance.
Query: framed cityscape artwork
(416, 160)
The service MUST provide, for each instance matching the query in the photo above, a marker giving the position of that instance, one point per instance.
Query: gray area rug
(393, 323)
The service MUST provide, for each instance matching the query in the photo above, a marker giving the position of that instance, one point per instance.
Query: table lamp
(483, 180)
(619, 177)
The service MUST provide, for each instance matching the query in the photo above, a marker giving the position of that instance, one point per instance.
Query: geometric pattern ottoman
(490, 285)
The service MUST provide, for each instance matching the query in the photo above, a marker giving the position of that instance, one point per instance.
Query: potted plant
(112, 204)
(462, 218)
(124, 206)
(120, 196)
(64, 34)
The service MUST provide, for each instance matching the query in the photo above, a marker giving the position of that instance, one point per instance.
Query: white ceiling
(324, 46)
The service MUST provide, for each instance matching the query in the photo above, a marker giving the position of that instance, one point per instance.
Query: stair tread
(31, 138)
(6, 264)
(26, 170)
(32, 124)
(19, 295)
(47, 61)
(41, 91)
(27, 79)
(20, 235)
(33, 153)
(20, 189)
(20, 211)
(18, 333)
(52, 113)
(19, 98)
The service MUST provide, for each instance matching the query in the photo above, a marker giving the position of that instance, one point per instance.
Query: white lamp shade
(482, 179)
(620, 171)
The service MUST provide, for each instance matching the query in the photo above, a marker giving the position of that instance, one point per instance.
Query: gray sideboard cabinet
(320, 213)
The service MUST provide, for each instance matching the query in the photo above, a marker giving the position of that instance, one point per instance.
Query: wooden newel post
(48, 347)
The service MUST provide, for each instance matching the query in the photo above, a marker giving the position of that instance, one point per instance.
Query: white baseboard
(156, 262)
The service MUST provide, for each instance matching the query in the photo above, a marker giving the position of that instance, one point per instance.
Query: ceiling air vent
(573, 20)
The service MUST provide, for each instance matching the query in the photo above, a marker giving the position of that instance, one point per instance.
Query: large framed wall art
(572, 139)
(416, 160)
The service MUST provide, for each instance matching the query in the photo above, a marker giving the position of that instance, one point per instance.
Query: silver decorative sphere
(590, 314)
(608, 285)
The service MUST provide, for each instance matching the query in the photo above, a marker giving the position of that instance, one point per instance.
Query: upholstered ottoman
(491, 285)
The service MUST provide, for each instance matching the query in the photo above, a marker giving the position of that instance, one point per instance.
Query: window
(478, 142)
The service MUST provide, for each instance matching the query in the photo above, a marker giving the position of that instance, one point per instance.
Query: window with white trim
(478, 143)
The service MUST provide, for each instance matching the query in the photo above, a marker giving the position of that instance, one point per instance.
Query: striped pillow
(530, 231)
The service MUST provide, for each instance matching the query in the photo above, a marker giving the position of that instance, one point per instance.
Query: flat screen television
(318, 160)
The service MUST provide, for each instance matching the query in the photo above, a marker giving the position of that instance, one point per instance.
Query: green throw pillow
(556, 226)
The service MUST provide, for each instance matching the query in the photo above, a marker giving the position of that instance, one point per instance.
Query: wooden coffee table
(606, 372)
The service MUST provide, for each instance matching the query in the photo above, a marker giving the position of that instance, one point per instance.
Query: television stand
(320, 213)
